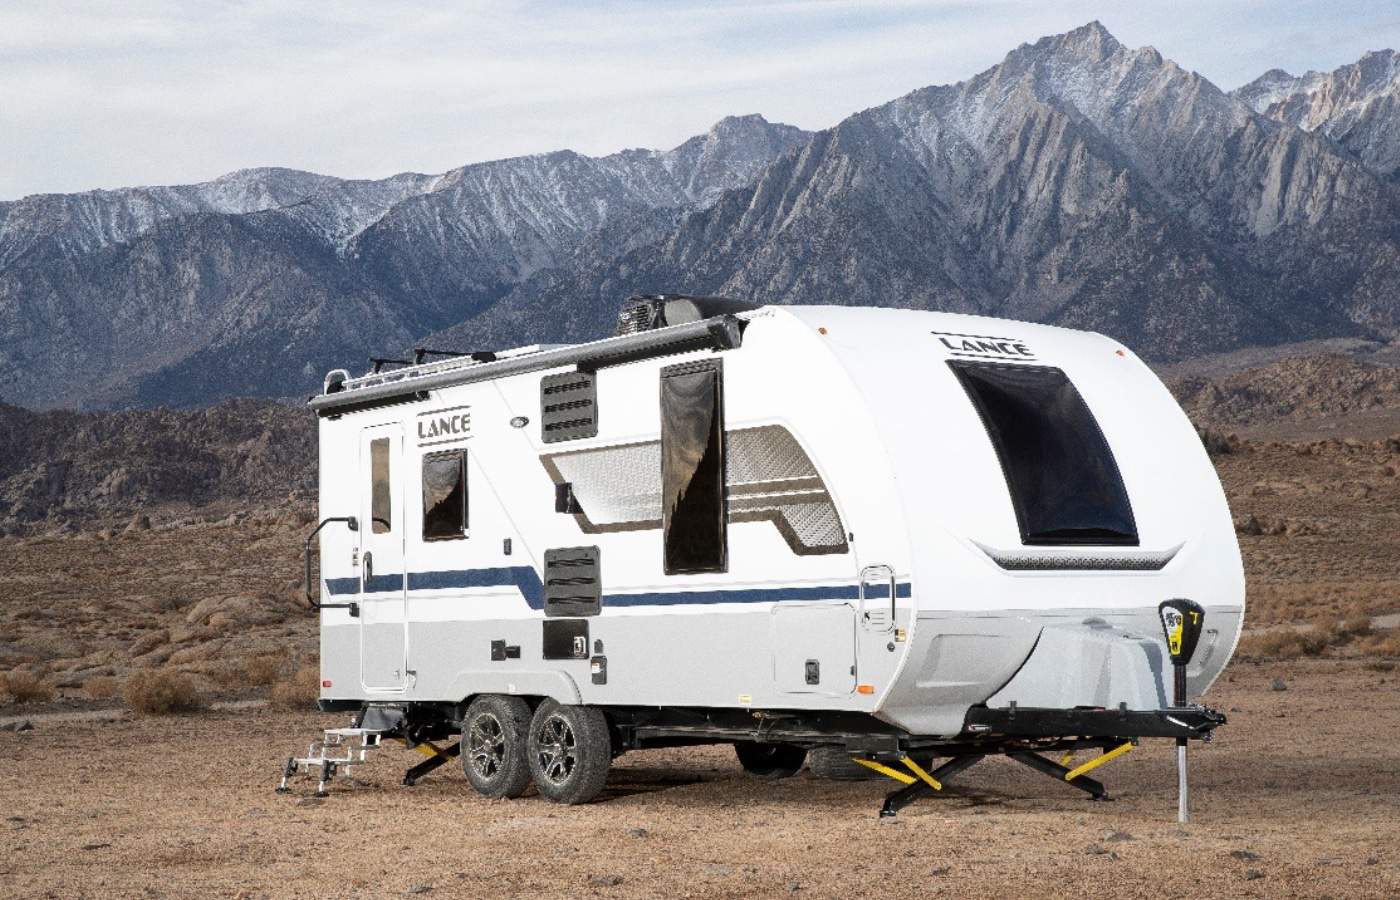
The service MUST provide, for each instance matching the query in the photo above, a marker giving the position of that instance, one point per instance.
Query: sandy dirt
(1299, 796)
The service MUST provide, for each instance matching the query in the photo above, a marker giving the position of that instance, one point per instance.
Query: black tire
(835, 763)
(570, 751)
(494, 752)
(771, 761)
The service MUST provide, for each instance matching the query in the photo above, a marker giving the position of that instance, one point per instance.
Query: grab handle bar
(354, 525)
(867, 574)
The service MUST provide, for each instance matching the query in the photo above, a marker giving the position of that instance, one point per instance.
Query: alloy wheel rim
(557, 750)
(486, 742)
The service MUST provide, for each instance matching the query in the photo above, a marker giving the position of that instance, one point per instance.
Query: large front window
(1065, 485)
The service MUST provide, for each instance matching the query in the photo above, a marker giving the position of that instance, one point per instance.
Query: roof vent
(648, 312)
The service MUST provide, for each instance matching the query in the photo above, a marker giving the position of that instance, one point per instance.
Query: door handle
(369, 567)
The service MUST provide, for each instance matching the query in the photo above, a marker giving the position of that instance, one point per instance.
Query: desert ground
(1296, 797)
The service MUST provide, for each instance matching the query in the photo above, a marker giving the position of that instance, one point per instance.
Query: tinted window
(1064, 482)
(445, 495)
(380, 495)
(692, 468)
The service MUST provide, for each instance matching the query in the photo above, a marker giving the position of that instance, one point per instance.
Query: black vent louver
(573, 584)
(568, 407)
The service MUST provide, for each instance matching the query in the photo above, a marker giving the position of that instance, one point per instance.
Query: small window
(381, 501)
(692, 468)
(1064, 482)
(445, 495)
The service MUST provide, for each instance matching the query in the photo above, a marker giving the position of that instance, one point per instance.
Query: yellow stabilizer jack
(425, 748)
(1069, 755)
(925, 777)
(1098, 761)
(885, 770)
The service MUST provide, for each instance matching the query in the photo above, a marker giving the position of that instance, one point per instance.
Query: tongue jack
(1182, 621)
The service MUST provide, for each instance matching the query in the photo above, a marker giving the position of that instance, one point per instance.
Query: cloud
(95, 94)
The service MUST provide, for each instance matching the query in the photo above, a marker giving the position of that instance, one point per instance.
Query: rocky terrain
(61, 470)
(1079, 182)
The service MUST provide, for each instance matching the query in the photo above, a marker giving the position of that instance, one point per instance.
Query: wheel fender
(557, 686)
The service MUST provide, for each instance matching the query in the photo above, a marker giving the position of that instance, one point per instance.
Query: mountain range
(1079, 182)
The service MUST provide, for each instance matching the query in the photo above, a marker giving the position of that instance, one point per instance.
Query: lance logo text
(444, 425)
(983, 346)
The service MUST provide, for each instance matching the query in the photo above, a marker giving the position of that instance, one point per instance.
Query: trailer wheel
(493, 745)
(570, 751)
(771, 761)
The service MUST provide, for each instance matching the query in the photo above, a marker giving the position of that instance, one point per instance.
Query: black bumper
(1187, 722)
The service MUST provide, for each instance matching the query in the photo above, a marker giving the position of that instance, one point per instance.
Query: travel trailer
(904, 535)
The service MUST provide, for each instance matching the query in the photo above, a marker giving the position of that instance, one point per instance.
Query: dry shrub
(1356, 624)
(1286, 643)
(26, 687)
(103, 687)
(261, 670)
(1383, 644)
(1217, 444)
(162, 692)
(301, 691)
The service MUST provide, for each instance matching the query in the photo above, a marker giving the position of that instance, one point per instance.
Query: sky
(104, 95)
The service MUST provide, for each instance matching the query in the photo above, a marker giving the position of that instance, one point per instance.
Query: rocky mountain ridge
(257, 282)
(1356, 105)
(1079, 182)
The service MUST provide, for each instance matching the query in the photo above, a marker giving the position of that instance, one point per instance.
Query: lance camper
(899, 535)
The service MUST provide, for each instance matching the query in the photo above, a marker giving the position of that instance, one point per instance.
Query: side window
(692, 468)
(380, 494)
(1064, 481)
(445, 495)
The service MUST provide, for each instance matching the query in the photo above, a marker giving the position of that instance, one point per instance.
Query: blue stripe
(527, 581)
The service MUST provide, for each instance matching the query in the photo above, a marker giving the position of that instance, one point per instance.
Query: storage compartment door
(814, 648)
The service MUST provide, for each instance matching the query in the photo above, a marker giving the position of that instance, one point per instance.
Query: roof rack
(421, 353)
(724, 332)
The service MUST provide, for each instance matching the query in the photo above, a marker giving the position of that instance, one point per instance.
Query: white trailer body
(1031, 493)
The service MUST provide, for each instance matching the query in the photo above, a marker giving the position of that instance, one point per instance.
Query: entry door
(383, 626)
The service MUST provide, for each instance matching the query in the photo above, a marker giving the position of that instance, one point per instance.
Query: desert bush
(1382, 644)
(300, 691)
(261, 670)
(1356, 624)
(103, 687)
(1216, 444)
(1287, 643)
(161, 692)
(25, 687)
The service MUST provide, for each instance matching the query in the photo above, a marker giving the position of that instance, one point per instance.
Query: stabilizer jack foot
(908, 794)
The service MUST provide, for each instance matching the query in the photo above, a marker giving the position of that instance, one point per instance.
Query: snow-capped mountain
(1078, 182)
(177, 294)
(1357, 105)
